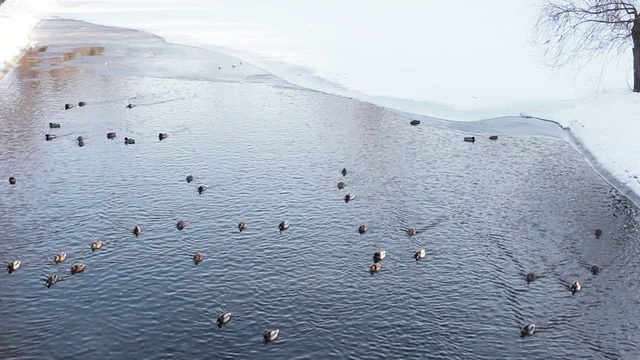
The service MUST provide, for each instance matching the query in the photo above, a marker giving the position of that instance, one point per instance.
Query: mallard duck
(470, 138)
(12, 180)
(284, 225)
(595, 269)
(49, 137)
(54, 125)
(412, 231)
(242, 226)
(189, 178)
(198, 258)
(77, 268)
(271, 335)
(349, 197)
(363, 229)
(375, 268)
(111, 135)
(341, 185)
(181, 225)
(420, 254)
(136, 230)
(598, 233)
(162, 136)
(60, 257)
(49, 281)
(13, 266)
(575, 287)
(67, 106)
(528, 330)
(223, 318)
(344, 171)
(129, 141)
(379, 255)
(82, 103)
(96, 245)
(201, 189)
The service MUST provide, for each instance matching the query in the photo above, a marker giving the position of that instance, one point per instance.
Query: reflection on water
(488, 212)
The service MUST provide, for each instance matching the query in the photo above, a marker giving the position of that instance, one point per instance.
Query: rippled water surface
(488, 212)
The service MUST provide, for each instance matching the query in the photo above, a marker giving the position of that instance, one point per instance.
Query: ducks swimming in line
(528, 330)
(12, 180)
(136, 230)
(349, 197)
(77, 268)
(271, 335)
(223, 319)
(363, 229)
(379, 255)
(96, 245)
(198, 258)
(284, 225)
(181, 225)
(129, 141)
(575, 287)
(242, 226)
(420, 254)
(13, 266)
(60, 257)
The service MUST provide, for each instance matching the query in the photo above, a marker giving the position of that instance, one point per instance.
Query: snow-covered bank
(18, 19)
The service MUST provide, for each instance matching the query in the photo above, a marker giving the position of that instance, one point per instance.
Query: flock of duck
(198, 257)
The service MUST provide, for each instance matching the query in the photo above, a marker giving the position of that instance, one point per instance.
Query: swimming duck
(412, 231)
(575, 287)
(420, 254)
(223, 318)
(129, 141)
(341, 185)
(82, 103)
(598, 233)
(233, 66)
(375, 268)
(13, 266)
(77, 268)
(242, 226)
(49, 137)
(131, 106)
(111, 135)
(54, 125)
(219, 67)
(414, 122)
(67, 106)
(531, 277)
(136, 230)
(379, 255)
(162, 136)
(493, 137)
(284, 225)
(198, 258)
(49, 281)
(80, 141)
(80, 138)
(595, 269)
(271, 335)
(201, 189)
(189, 178)
(12, 180)
(344, 171)
(363, 229)
(60, 257)
(528, 330)
(470, 138)
(349, 197)
(181, 225)
(96, 245)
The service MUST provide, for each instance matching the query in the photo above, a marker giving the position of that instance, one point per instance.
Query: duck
(375, 268)
(344, 171)
(242, 226)
(136, 230)
(54, 125)
(198, 258)
(493, 137)
(67, 106)
(528, 330)
(49, 281)
(414, 122)
(284, 225)
(531, 277)
(420, 254)
(181, 225)
(201, 189)
(162, 136)
(341, 185)
(96, 245)
(77, 268)
(598, 233)
(470, 138)
(49, 137)
(80, 138)
(129, 141)
(379, 255)
(219, 67)
(224, 318)
(363, 229)
(111, 135)
(575, 287)
(233, 66)
(271, 335)
(12, 180)
(412, 231)
(82, 103)
(80, 141)
(131, 106)
(189, 178)
(13, 266)
(595, 269)
(349, 197)
(60, 257)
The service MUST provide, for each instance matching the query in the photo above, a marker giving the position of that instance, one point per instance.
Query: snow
(18, 19)
(465, 60)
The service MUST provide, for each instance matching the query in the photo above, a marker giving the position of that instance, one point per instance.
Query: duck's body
(198, 258)
(82, 103)
(375, 268)
(531, 277)
(344, 171)
(67, 106)
(575, 287)
(284, 225)
(528, 330)
(12, 180)
(96, 245)
(271, 335)
(201, 189)
(49, 137)
(595, 269)
(420, 254)
(131, 106)
(111, 135)
(412, 231)
(341, 185)
(363, 229)
(181, 225)
(189, 178)
(223, 318)
(242, 226)
(598, 233)
(80, 141)
(414, 122)
(54, 125)
(379, 255)
(59, 257)
(493, 137)
(77, 268)
(49, 281)
(136, 230)
(13, 266)
(470, 138)
(129, 141)
(349, 197)
(162, 136)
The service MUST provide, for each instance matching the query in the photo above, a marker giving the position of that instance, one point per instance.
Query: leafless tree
(584, 28)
